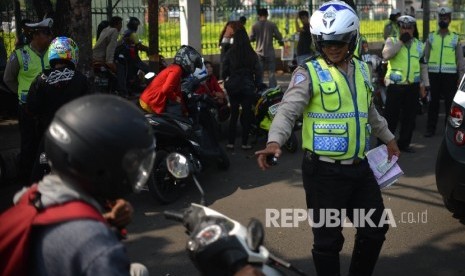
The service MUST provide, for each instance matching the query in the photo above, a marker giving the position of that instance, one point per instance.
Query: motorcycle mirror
(177, 165)
(149, 75)
(255, 234)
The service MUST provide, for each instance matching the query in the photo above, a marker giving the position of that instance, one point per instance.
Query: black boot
(326, 264)
(364, 257)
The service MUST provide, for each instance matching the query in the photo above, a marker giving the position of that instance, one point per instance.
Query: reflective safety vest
(442, 55)
(336, 119)
(404, 67)
(30, 65)
(394, 29)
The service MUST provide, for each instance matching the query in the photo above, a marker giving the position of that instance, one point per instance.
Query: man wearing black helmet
(95, 158)
(164, 92)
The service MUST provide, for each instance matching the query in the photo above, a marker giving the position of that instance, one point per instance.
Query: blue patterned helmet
(63, 49)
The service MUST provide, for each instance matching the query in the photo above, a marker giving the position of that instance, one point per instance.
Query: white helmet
(406, 20)
(334, 21)
(444, 10)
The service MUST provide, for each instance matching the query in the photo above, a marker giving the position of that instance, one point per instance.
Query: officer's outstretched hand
(392, 149)
(272, 148)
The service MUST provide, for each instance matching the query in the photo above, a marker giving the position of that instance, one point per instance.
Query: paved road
(425, 241)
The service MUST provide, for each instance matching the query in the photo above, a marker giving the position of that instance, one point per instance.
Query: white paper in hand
(386, 173)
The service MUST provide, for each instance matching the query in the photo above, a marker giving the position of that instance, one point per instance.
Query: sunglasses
(337, 44)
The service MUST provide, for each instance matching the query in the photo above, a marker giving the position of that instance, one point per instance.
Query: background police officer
(392, 28)
(333, 92)
(404, 75)
(23, 66)
(446, 66)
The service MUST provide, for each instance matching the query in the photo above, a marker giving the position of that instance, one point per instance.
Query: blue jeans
(269, 63)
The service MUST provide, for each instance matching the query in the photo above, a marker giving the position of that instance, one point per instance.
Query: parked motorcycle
(218, 245)
(196, 137)
(265, 109)
(105, 81)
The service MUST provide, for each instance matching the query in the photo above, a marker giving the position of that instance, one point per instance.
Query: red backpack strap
(17, 222)
(68, 211)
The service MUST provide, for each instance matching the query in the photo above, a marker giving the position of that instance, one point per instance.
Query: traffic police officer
(23, 66)
(405, 73)
(392, 28)
(333, 92)
(446, 67)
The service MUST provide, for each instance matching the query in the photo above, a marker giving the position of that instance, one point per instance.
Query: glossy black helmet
(188, 58)
(102, 144)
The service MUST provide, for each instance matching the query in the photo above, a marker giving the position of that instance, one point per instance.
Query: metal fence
(213, 19)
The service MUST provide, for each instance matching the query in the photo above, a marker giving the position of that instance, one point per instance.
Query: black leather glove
(405, 37)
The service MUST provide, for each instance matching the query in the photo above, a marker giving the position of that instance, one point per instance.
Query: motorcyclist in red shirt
(163, 95)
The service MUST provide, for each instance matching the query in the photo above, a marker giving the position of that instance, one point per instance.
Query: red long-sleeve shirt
(165, 86)
(210, 87)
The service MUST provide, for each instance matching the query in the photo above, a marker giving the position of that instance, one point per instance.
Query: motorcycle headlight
(177, 165)
(209, 235)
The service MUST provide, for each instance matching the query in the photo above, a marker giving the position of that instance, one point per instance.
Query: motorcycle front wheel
(162, 185)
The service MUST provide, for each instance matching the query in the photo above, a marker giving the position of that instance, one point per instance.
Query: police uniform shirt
(297, 97)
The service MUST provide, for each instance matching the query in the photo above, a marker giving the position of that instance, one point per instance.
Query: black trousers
(401, 106)
(245, 99)
(349, 187)
(441, 84)
(29, 144)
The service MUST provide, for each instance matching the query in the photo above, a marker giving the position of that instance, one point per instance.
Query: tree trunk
(154, 58)
(74, 19)
(42, 8)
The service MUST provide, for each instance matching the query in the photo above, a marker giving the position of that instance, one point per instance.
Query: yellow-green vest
(336, 120)
(404, 67)
(442, 54)
(395, 31)
(30, 65)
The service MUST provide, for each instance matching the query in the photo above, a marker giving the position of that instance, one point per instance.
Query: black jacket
(51, 90)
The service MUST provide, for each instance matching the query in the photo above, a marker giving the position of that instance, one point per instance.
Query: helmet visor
(138, 164)
(335, 38)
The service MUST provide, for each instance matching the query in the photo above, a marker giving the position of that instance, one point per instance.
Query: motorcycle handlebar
(174, 215)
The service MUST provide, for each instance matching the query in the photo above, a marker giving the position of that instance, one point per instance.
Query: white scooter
(218, 245)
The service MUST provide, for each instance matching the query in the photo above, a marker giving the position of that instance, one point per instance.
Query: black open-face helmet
(101, 144)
